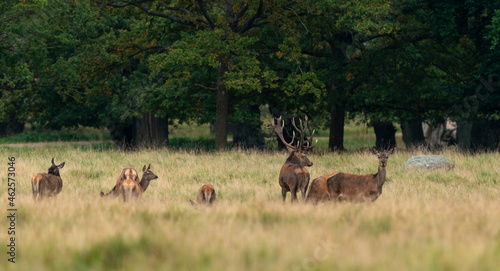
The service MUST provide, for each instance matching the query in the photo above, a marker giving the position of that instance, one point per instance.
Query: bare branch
(205, 14)
(240, 14)
(205, 87)
(249, 24)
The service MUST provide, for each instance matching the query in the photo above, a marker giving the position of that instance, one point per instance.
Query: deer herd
(293, 177)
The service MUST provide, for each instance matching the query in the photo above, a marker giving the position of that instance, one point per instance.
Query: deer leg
(304, 187)
(293, 191)
(367, 199)
(34, 192)
(303, 191)
(283, 193)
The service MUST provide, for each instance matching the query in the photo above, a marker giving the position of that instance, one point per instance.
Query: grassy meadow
(440, 220)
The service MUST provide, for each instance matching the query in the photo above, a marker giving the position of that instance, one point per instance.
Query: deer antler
(304, 145)
(309, 140)
(301, 131)
(279, 131)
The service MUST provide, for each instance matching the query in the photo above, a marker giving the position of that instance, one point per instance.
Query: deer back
(47, 184)
(359, 188)
(125, 174)
(130, 189)
(294, 168)
(352, 187)
(318, 189)
(206, 194)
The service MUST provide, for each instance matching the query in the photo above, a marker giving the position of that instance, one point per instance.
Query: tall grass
(441, 220)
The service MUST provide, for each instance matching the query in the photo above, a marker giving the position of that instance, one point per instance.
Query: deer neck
(144, 184)
(293, 159)
(380, 177)
(55, 174)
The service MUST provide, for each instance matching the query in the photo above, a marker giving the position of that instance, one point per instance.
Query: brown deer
(359, 188)
(47, 184)
(127, 173)
(318, 190)
(132, 189)
(206, 195)
(293, 175)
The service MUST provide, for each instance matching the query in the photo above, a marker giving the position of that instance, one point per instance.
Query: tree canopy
(105, 63)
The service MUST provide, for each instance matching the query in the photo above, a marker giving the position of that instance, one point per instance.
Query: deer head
(148, 174)
(54, 169)
(297, 153)
(147, 177)
(382, 156)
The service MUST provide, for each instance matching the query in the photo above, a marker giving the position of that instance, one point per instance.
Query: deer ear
(375, 151)
(61, 165)
(149, 166)
(53, 161)
(144, 169)
(390, 151)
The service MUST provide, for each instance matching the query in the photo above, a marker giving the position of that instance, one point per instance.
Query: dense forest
(136, 66)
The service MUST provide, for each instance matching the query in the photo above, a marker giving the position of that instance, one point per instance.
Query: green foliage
(494, 30)
(103, 64)
(80, 134)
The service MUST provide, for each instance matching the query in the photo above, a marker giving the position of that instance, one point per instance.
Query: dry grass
(442, 220)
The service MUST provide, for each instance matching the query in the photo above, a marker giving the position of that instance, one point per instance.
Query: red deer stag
(132, 189)
(359, 188)
(127, 173)
(47, 184)
(206, 195)
(293, 175)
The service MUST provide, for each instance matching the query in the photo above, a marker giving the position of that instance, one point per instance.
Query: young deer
(47, 184)
(359, 188)
(127, 173)
(206, 195)
(132, 189)
(293, 175)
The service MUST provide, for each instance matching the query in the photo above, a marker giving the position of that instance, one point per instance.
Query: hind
(206, 194)
(35, 185)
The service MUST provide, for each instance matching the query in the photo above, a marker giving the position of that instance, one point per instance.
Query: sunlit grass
(441, 220)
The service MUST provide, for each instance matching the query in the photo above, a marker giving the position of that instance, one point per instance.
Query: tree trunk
(147, 131)
(11, 127)
(485, 135)
(248, 134)
(433, 134)
(385, 133)
(337, 121)
(413, 134)
(464, 130)
(222, 106)
(338, 45)
(123, 135)
(151, 131)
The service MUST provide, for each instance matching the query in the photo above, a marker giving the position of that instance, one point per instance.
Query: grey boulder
(429, 162)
